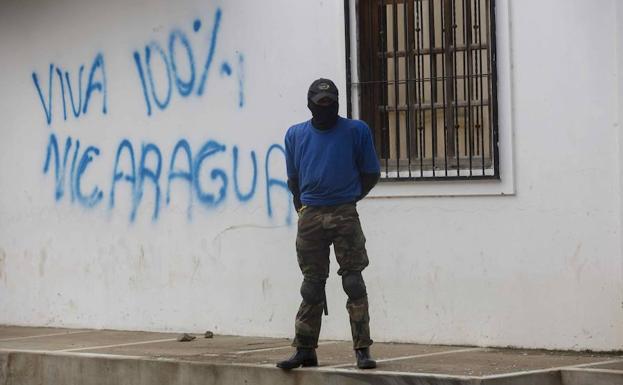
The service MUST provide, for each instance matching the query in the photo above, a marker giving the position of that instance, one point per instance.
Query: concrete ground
(84, 357)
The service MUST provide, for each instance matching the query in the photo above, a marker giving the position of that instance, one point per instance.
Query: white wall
(541, 268)
(619, 98)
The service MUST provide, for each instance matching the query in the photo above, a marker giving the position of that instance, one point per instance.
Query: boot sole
(305, 364)
(367, 366)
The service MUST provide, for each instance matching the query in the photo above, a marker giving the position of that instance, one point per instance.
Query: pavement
(39, 355)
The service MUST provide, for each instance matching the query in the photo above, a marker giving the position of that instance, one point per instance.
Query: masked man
(331, 165)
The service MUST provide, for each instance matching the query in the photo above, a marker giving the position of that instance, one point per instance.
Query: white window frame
(505, 185)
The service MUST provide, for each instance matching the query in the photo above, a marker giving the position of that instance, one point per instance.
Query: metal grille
(427, 86)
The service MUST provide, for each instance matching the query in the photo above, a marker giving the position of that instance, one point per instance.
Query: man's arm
(368, 163)
(293, 180)
(293, 185)
(368, 181)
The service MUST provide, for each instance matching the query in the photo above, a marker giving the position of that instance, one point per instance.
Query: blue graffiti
(141, 169)
(181, 73)
(163, 56)
(184, 175)
(96, 194)
(96, 82)
(141, 74)
(209, 149)
(118, 176)
(59, 170)
(208, 62)
(240, 80)
(270, 182)
(73, 167)
(147, 173)
(184, 87)
(60, 77)
(244, 197)
(98, 63)
(225, 69)
(78, 168)
(164, 71)
(47, 109)
(75, 110)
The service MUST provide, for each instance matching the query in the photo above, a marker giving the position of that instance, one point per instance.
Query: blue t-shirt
(328, 163)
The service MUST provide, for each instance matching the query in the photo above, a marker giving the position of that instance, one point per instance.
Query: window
(427, 86)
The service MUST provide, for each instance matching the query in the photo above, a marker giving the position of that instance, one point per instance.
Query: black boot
(302, 357)
(364, 361)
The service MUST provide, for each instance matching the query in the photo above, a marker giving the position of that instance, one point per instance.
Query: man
(331, 165)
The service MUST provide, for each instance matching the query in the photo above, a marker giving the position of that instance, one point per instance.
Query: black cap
(322, 88)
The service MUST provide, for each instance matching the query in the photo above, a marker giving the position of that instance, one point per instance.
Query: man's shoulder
(357, 128)
(296, 128)
(354, 124)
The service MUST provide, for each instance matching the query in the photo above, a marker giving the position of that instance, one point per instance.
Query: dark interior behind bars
(427, 86)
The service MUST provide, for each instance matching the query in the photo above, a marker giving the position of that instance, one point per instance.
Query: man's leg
(350, 251)
(312, 249)
(309, 315)
(357, 306)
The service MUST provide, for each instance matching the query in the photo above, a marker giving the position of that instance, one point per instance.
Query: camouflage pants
(318, 228)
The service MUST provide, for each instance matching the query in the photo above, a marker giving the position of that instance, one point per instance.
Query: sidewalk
(85, 357)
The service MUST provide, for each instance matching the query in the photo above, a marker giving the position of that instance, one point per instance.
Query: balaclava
(324, 115)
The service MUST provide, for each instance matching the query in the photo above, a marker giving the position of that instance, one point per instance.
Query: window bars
(427, 86)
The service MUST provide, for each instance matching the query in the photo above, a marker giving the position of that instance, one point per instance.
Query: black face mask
(323, 117)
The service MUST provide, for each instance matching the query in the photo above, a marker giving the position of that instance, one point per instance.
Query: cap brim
(321, 95)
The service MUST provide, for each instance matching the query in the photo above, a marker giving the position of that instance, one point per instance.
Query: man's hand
(293, 185)
(367, 182)
(300, 211)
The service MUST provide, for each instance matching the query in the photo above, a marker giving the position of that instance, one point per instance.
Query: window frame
(504, 182)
